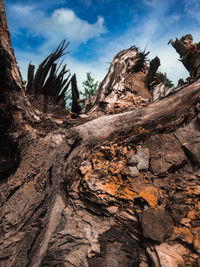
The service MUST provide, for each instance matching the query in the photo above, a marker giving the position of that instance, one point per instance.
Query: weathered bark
(189, 54)
(118, 190)
(129, 84)
(124, 86)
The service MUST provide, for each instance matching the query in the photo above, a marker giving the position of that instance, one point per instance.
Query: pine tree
(89, 85)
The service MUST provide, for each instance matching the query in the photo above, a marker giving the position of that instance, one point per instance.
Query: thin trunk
(75, 95)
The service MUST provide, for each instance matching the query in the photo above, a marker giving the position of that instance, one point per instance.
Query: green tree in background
(162, 77)
(169, 83)
(89, 85)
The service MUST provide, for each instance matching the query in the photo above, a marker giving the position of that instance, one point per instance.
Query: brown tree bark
(116, 190)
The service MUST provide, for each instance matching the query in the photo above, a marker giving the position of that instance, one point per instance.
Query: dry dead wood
(121, 189)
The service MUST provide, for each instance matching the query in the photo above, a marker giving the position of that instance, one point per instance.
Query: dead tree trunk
(129, 84)
(124, 85)
(75, 95)
(118, 190)
(189, 54)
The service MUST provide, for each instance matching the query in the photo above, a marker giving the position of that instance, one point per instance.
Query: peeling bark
(117, 190)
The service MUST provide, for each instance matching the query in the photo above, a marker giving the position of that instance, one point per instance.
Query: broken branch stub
(52, 84)
(153, 67)
(189, 54)
(75, 95)
(30, 85)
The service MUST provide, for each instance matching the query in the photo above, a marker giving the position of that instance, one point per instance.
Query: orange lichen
(113, 150)
(117, 167)
(99, 164)
(114, 170)
(128, 194)
(87, 176)
(184, 234)
(192, 214)
(197, 240)
(99, 154)
(193, 191)
(111, 188)
(86, 168)
(150, 194)
(117, 179)
(142, 130)
(195, 213)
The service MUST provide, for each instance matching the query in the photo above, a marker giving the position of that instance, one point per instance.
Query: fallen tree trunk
(152, 119)
(117, 190)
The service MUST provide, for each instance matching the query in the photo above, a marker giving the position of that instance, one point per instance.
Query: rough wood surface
(131, 83)
(118, 190)
(189, 54)
(123, 85)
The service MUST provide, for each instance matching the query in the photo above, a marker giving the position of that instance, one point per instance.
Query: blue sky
(98, 29)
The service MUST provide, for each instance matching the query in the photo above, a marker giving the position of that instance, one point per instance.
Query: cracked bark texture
(118, 190)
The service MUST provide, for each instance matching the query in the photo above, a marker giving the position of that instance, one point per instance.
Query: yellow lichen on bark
(184, 234)
(151, 195)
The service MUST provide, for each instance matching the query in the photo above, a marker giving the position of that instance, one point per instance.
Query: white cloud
(153, 33)
(63, 23)
(154, 30)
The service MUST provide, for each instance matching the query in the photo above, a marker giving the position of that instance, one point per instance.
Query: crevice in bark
(36, 214)
(40, 227)
(116, 243)
(149, 260)
(187, 245)
(13, 192)
(50, 176)
(157, 258)
(191, 158)
(9, 152)
(177, 167)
